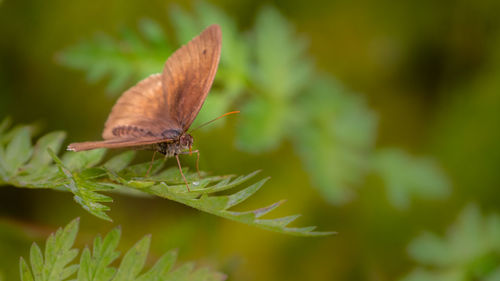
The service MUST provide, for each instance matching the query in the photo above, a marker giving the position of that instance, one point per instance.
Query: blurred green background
(376, 119)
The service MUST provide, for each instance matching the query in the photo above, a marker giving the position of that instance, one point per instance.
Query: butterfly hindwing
(140, 111)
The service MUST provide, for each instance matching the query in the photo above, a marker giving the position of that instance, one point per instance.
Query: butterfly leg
(180, 170)
(151, 165)
(198, 163)
(197, 160)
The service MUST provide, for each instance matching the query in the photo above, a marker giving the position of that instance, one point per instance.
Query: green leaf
(84, 159)
(262, 125)
(423, 275)
(41, 156)
(82, 174)
(98, 265)
(6, 122)
(185, 25)
(240, 196)
(120, 162)
(216, 104)
(494, 276)
(161, 268)
(53, 266)
(334, 136)
(126, 60)
(235, 54)
(18, 151)
(83, 189)
(36, 259)
(153, 33)
(133, 261)
(220, 204)
(25, 271)
(282, 69)
(470, 248)
(407, 176)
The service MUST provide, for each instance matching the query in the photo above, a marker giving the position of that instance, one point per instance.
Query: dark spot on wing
(204, 51)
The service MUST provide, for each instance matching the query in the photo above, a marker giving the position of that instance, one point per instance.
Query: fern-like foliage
(86, 176)
(406, 176)
(54, 263)
(284, 98)
(469, 251)
(131, 58)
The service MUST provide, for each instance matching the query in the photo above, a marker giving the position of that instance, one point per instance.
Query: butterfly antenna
(206, 123)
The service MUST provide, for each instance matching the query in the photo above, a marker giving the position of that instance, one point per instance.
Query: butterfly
(157, 112)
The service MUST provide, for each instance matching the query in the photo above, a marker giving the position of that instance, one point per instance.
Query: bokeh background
(376, 119)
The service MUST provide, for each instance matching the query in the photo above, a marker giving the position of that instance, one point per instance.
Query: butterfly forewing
(140, 111)
(188, 75)
(116, 143)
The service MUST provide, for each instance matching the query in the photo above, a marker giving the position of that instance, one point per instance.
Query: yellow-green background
(429, 69)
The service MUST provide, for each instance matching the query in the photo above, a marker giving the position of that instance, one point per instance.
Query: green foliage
(336, 138)
(86, 176)
(284, 98)
(97, 265)
(132, 58)
(53, 265)
(470, 250)
(404, 175)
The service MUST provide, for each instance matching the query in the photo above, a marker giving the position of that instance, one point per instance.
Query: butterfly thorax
(178, 145)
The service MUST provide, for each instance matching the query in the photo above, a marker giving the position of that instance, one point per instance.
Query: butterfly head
(177, 142)
(182, 139)
(186, 141)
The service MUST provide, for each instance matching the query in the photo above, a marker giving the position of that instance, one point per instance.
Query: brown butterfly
(157, 112)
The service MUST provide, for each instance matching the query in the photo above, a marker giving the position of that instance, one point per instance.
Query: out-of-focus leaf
(421, 274)
(6, 122)
(17, 152)
(471, 249)
(153, 34)
(186, 26)
(405, 176)
(215, 105)
(335, 136)
(281, 70)
(25, 271)
(127, 60)
(235, 53)
(262, 126)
